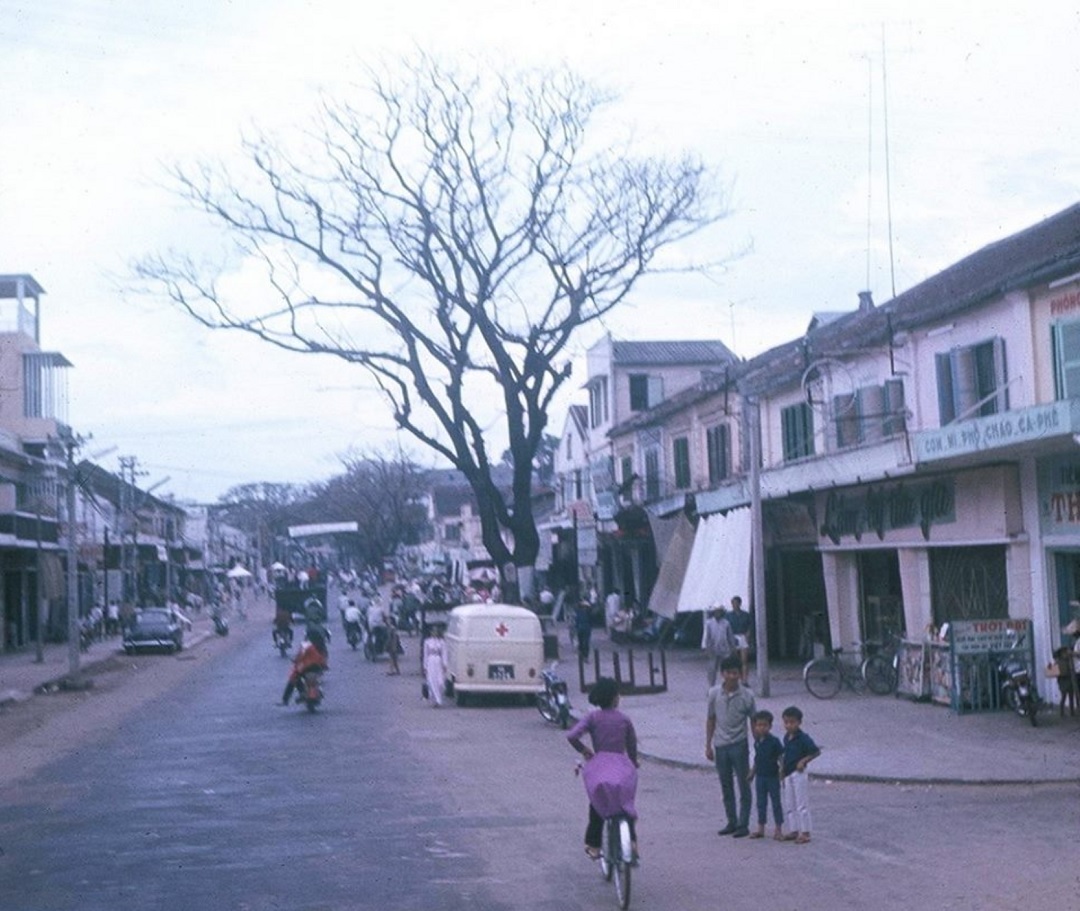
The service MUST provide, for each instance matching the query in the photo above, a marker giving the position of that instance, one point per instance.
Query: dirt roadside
(39, 730)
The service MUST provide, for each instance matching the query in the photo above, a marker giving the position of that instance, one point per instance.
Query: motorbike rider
(312, 656)
(352, 619)
(376, 624)
(283, 623)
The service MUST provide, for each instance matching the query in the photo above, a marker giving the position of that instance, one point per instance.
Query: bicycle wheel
(607, 850)
(623, 864)
(878, 673)
(543, 704)
(822, 678)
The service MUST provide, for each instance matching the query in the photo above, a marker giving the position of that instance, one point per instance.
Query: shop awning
(719, 565)
(679, 536)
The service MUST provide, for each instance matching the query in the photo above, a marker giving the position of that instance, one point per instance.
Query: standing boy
(799, 750)
(765, 773)
(730, 707)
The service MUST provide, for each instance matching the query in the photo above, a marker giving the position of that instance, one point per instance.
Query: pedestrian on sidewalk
(730, 707)
(583, 628)
(765, 773)
(612, 606)
(719, 642)
(799, 750)
(741, 628)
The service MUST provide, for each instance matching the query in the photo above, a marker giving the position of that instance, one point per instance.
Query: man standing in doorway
(730, 708)
(719, 641)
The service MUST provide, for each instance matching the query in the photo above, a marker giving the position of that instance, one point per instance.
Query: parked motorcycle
(1017, 691)
(283, 637)
(554, 702)
(221, 624)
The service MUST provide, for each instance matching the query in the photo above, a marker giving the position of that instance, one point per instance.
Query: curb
(856, 778)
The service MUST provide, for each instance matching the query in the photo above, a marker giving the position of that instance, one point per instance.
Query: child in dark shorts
(765, 773)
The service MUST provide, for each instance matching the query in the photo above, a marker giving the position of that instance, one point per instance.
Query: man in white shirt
(612, 606)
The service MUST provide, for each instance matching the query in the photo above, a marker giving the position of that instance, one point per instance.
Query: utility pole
(757, 550)
(72, 561)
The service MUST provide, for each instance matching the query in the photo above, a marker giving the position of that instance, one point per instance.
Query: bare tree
(381, 491)
(450, 233)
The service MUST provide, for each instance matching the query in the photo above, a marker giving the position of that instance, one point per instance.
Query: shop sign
(881, 509)
(1059, 494)
(971, 637)
(993, 431)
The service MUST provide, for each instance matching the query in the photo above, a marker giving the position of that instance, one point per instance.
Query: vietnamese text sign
(993, 431)
(977, 636)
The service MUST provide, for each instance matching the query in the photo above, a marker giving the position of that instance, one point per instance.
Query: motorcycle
(1017, 691)
(310, 691)
(554, 702)
(352, 635)
(221, 625)
(283, 637)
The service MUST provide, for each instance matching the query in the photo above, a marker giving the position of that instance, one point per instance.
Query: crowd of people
(756, 768)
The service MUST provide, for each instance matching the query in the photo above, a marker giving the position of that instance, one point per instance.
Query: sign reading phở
(993, 431)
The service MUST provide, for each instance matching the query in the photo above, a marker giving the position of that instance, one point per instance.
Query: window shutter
(870, 404)
(846, 420)
(946, 398)
(895, 419)
(1066, 339)
(655, 390)
(1001, 377)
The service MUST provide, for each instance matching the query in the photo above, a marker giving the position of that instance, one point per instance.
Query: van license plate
(500, 672)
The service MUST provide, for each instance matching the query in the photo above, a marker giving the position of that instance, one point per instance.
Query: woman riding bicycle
(610, 770)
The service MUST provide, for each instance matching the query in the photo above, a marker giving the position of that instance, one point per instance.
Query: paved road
(212, 798)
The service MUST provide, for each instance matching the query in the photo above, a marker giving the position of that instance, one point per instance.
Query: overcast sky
(786, 105)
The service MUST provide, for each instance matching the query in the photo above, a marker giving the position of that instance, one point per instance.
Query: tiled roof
(674, 352)
(1041, 253)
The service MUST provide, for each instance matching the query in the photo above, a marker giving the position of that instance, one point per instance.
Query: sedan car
(154, 627)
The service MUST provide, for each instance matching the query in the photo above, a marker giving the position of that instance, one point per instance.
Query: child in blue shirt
(765, 773)
(799, 750)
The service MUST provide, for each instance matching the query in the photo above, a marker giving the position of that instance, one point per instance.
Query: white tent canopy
(719, 566)
(238, 572)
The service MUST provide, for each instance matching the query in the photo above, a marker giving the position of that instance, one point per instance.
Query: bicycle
(824, 677)
(617, 856)
(879, 669)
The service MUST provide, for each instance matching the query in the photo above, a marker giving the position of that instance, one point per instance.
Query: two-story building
(920, 460)
(624, 379)
(33, 432)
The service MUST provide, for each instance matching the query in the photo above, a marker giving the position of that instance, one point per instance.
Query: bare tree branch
(450, 233)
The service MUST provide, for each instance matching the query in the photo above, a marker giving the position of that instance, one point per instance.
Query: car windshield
(155, 620)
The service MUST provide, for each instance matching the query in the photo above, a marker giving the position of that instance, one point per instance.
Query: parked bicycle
(824, 677)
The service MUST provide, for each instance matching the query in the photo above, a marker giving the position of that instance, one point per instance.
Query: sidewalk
(21, 674)
(862, 738)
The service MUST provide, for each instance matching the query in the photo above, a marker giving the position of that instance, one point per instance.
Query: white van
(494, 648)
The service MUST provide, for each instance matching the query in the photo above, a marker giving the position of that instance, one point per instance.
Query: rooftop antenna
(888, 180)
(869, 161)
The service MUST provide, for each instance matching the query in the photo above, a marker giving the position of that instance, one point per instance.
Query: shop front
(1059, 518)
(905, 558)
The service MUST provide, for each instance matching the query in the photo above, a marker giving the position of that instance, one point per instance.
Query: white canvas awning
(719, 565)
(678, 534)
